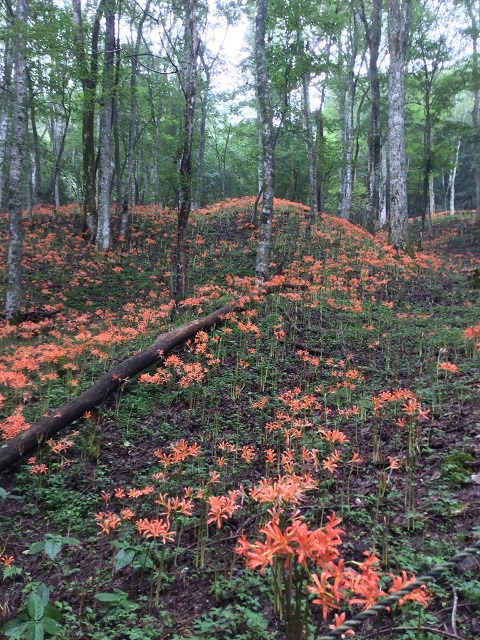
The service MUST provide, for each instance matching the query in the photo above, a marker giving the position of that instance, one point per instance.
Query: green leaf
(51, 626)
(123, 558)
(35, 607)
(66, 540)
(142, 561)
(36, 547)
(14, 627)
(35, 631)
(108, 597)
(52, 612)
(53, 548)
(43, 592)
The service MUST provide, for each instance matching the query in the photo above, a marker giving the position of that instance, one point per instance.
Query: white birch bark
(453, 175)
(18, 156)
(472, 8)
(382, 196)
(4, 118)
(399, 19)
(103, 236)
(373, 32)
(311, 150)
(347, 120)
(268, 145)
(431, 202)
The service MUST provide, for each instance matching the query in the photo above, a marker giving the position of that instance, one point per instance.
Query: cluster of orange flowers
(330, 580)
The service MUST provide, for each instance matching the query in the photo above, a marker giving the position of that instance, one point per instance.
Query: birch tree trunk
(342, 123)
(115, 127)
(373, 34)
(347, 140)
(472, 8)
(4, 119)
(268, 145)
(103, 236)
(18, 159)
(58, 136)
(127, 190)
(431, 202)
(37, 165)
(189, 89)
(453, 175)
(311, 150)
(399, 19)
(382, 196)
(201, 146)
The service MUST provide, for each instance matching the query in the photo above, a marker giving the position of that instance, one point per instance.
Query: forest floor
(354, 390)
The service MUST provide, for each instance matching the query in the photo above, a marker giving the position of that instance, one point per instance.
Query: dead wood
(32, 438)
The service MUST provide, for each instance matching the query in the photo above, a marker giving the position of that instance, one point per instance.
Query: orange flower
(155, 529)
(448, 366)
(107, 521)
(323, 596)
(355, 459)
(248, 454)
(339, 620)
(222, 508)
(417, 595)
(6, 561)
(270, 456)
(38, 468)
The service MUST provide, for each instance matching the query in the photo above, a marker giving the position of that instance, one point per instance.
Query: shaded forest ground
(367, 354)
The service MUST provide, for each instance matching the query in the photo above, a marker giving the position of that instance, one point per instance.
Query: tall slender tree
(103, 236)
(473, 10)
(268, 143)
(371, 14)
(18, 158)
(88, 71)
(130, 158)
(5, 104)
(399, 19)
(188, 82)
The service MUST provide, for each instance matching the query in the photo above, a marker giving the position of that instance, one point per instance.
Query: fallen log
(29, 440)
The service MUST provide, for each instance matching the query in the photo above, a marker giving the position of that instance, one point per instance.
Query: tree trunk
(201, 142)
(346, 211)
(268, 145)
(453, 175)
(347, 139)
(373, 34)
(58, 145)
(427, 143)
(476, 103)
(311, 151)
(431, 202)
(260, 167)
(127, 190)
(18, 158)
(116, 134)
(37, 169)
(342, 124)
(88, 78)
(382, 196)
(5, 101)
(190, 92)
(399, 18)
(103, 236)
